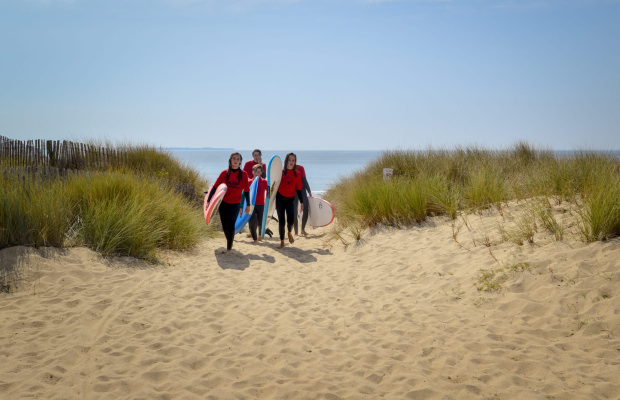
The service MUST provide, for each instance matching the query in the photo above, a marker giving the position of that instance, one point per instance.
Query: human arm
(247, 201)
(211, 193)
(217, 183)
(306, 185)
(301, 203)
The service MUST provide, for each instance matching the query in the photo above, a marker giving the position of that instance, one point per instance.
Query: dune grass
(148, 161)
(113, 213)
(601, 211)
(448, 182)
(121, 209)
(158, 163)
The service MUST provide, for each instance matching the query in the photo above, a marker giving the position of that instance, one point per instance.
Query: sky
(313, 74)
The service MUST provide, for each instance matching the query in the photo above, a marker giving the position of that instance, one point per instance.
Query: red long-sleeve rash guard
(235, 186)
(291, 182)
(260, 192)
(248, 168)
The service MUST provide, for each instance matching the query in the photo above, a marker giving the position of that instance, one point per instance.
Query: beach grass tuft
(127, 210)
(472, 179)
(601, 211)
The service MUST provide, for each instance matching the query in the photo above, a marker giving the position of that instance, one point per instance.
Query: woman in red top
(236, 181)
(256, 221)
(285, 199)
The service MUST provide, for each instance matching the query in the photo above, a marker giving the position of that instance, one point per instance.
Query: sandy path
(397, 316)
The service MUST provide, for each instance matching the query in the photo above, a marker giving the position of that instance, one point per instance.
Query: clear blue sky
(313, 74)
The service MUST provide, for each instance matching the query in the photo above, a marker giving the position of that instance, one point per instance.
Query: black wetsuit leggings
(304, 214)
(228, 216)
(256, 221)
(285, 206)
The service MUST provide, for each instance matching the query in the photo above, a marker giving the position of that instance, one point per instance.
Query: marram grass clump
(464, 180)
(120, 214)
(601, 211)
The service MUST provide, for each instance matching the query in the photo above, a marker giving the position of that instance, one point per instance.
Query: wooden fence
(60, 154)
(40, 160)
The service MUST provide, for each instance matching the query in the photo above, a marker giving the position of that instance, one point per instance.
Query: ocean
(323, 168)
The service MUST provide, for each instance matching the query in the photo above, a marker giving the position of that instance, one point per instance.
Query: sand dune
(397, 315)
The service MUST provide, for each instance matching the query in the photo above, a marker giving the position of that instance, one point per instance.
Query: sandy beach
(397, 315)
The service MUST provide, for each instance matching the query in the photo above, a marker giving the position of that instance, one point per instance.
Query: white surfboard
(320, 212)
(274, 176)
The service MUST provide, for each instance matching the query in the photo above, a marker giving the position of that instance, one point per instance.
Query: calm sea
(323, 168)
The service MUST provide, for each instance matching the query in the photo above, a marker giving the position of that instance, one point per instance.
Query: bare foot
(281, 246)
(260, 239)
(304, 233)
(291, 239)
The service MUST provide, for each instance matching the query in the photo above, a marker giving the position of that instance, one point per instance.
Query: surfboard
(244, 218)
(320, 212)
(274, 176)
(210, 206)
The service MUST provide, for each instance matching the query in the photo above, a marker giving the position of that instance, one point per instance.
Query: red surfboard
(210, 206)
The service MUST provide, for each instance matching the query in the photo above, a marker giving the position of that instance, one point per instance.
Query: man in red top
(258, 160)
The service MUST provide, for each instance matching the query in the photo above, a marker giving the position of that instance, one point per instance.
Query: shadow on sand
(238, 261)
(302, 256)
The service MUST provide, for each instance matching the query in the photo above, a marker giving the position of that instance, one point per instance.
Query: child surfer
(256, 221)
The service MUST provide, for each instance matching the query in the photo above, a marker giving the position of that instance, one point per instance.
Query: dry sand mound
(397, 315)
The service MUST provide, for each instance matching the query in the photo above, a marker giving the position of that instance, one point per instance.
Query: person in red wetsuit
(257, 156)
(285, 198)
(304, 198)
(236, 181)
(256, 221)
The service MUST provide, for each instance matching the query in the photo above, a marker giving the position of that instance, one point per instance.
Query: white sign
(387, 174)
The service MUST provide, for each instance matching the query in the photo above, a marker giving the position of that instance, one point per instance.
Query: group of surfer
(293, 188)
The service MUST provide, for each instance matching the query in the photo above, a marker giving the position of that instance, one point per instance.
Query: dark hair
(230, 165)
(257, 166)
(259, 152)
(286, 163)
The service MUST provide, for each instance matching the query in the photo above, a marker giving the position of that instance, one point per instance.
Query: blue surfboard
(274, 176)
(244, 218)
